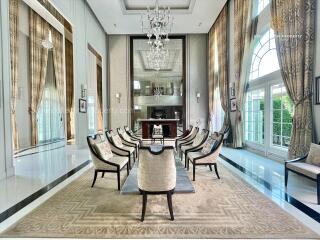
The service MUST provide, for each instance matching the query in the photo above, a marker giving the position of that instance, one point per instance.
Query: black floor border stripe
(17, 207)
(284, 196)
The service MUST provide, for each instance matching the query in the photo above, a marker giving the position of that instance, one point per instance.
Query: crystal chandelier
(157, 23)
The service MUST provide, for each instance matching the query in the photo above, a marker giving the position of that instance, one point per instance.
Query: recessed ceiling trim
(137, 11)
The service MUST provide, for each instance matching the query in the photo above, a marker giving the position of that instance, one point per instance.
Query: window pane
(254, 125)
(265, 59)
(281, 115)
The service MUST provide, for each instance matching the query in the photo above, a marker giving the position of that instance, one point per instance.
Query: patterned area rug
(226, 208)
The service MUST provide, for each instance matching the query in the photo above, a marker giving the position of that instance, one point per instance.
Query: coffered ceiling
(123, 16)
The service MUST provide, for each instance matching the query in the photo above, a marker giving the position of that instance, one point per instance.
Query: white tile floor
(37, 170)
(272, 172)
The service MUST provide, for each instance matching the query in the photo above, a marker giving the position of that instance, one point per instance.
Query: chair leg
(216, 170)
(94, 178)
(102, 175)
(144, 205)
(286, 173)
(210, 168)
(185, 159)
(318, 189)
(128, 169)
(169, 198)
(188, 163)
(130, 161)
(194, 171)
(118, 177)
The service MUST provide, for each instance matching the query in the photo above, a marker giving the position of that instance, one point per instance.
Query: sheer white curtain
(92, 93)
(49, 115)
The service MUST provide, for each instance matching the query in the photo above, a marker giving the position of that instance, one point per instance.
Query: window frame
(266, 82)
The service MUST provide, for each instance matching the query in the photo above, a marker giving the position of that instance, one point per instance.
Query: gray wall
(119, 76)
(196, 79)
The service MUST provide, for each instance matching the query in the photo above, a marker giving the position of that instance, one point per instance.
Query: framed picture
(317, 90)
(82, 105)
(233, 105)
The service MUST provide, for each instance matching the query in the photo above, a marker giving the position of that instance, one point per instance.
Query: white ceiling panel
(123, 16)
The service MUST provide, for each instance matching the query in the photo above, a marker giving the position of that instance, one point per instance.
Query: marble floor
(272, 174)
(36, 168)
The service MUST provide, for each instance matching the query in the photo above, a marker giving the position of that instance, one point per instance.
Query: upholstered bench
(307, 166)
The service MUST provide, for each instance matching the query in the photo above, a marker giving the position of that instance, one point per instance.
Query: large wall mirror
(158, 94)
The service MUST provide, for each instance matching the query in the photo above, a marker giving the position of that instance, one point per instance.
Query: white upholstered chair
(157, 174)
(105, 159)
(207, 155)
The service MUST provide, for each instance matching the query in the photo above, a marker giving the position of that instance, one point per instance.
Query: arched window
(264, 58)
(262, 4)
(268, 108)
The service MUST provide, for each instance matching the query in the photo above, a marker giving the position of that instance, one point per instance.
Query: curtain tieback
(303, 99)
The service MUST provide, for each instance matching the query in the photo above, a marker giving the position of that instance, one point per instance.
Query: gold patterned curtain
(69, 88)
(99, 96)
(38, 30)
(222, 41)
(294, 25)
(242, 37)
(211, 81)
(13, 11)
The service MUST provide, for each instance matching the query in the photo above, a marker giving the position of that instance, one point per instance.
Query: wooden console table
(148, 123)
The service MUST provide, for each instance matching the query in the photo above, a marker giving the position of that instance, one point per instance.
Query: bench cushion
(304, 168)
(314, 155)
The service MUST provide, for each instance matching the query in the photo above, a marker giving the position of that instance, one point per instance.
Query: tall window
(264, 59)
(49, 116)
(268, 108)
(262, 4)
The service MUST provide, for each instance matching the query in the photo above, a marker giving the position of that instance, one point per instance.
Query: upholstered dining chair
(196, 143)
(116, 142)
(132, 135)
(184, 135)
(186, 139)
(104, 159)
(157, 174)
(307, 166)
(207, 155)
(128, 140)
(157, 133)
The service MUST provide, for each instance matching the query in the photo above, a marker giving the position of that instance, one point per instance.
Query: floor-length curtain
(99, 98)
(13, 11)
(294, 24)
(58, 62)
(69, 89)
(211, 82)
(222, 42)
(38, 30)
(242, 37)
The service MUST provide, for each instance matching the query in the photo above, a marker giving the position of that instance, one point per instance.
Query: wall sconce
(118, 96)
(84, 90)
(198, 95)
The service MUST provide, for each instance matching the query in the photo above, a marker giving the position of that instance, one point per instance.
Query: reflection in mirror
(157, 94)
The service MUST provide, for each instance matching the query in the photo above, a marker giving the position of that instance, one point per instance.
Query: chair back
(124, 134)
(95, 156)
(200, 138)
(157, 170)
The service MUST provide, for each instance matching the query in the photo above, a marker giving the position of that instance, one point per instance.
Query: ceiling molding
(126, 10)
